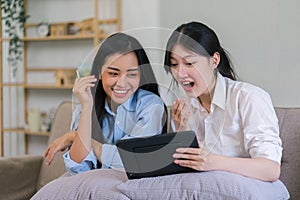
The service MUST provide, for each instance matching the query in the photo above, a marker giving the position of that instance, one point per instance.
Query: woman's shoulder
(247, 93)
(245, 88)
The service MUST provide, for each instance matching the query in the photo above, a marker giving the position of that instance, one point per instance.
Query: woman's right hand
(181, 114)
(82, 90)
(59, 144)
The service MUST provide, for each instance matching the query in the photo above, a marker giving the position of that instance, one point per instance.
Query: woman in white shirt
(235, 122)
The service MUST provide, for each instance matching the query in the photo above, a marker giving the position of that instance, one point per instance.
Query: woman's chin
(191, 93)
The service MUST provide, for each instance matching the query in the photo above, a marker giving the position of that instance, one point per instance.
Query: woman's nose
(182, 71)
(122, 80)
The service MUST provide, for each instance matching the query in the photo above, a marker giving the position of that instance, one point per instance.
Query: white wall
(261, 36)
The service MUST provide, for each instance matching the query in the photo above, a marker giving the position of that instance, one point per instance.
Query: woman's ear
(215, 60)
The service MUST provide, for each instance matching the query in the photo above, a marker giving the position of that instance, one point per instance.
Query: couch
(22, 177)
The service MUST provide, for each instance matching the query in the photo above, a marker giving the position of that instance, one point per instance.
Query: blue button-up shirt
(141, 115)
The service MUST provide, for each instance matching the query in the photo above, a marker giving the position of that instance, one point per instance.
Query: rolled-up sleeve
(261, 129)
(88, 163)
(75, 118)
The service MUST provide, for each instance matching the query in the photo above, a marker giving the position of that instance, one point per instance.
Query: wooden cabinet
(75, 28)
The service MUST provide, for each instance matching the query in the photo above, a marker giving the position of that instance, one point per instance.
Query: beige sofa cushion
(60, 125)
(289, 123)
(18, 176)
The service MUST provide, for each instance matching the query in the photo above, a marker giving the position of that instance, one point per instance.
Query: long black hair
(202, 40)
(120, 43)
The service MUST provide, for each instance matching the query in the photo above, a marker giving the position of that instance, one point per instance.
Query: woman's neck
(112, 105)
(205, 99)
(114, 108)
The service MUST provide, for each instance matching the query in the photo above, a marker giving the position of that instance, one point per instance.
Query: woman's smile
(120, 92)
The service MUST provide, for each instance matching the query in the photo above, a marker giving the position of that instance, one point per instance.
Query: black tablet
(152, 156)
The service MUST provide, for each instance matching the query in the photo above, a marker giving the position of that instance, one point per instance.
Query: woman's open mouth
(187, 85)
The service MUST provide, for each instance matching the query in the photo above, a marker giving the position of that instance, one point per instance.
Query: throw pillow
(203, 185)
(94, 184)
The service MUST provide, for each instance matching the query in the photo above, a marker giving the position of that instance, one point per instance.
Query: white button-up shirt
(241, 123)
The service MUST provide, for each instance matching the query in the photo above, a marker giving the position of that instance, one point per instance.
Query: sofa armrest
(19, 176)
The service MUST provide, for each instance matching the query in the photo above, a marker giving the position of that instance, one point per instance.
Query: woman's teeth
(188, 84)
(120, 91)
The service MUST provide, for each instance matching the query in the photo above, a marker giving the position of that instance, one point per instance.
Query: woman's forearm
(82, 141)
(258, 168)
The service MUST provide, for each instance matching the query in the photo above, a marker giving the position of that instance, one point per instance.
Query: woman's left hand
(59, 144)
(196, 158)
(181, 114)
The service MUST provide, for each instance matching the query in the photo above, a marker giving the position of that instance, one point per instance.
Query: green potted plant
(14, 18)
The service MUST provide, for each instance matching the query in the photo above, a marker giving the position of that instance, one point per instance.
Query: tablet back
(152, 156)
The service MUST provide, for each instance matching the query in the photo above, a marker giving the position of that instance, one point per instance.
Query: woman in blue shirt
(124, 103)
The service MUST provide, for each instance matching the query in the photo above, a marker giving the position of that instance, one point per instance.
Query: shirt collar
(219, 97)
(107, 108)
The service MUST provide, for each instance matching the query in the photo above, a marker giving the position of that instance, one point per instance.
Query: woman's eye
(113, 73)
(132, 75)
(174, 64)
(190, 63)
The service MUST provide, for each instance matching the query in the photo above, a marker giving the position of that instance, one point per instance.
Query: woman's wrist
(71, 137)
(213, 162)
(87, 108)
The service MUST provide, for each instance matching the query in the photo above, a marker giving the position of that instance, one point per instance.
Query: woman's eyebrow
(117, 69)
(189, 56)
(184, 57)
(113, 68)
(133, 69)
